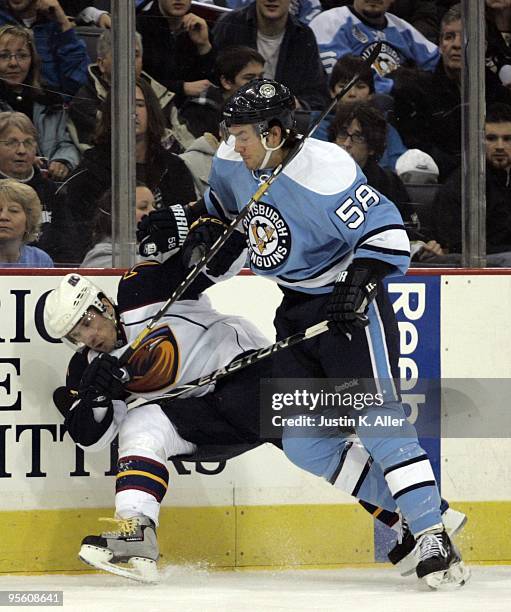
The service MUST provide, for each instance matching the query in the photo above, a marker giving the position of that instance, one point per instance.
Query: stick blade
(373, 56)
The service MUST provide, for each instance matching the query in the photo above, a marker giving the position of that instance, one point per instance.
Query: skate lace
(125, 527)
(431, 546)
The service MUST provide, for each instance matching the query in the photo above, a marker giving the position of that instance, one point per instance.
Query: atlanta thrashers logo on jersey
(155, 363)
(268, 236)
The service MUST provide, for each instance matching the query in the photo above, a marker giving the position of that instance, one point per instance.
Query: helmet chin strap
(269, 150)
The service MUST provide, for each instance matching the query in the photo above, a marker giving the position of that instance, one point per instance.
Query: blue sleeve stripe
(375, 232)
(368, 247)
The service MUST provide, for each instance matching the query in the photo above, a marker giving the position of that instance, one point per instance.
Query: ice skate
(130, 551)
(405, 554)
(440, 563)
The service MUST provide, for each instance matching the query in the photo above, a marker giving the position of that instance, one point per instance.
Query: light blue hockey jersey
(315, 218)
(340, 31)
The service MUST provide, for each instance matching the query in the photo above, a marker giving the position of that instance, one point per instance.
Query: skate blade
(454, 577)
(138, 568)
(407, 565)
(454, 521)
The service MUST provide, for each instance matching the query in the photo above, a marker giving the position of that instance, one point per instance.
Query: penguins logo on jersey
(387, 61)
(155, 363)
(268, 236)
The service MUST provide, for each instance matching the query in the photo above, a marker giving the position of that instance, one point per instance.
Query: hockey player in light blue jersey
(328, 239)
(356, 30)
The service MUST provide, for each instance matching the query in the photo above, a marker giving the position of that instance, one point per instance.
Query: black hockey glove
(162, 230)
(354, 290)
(103, 378)
(203, 234)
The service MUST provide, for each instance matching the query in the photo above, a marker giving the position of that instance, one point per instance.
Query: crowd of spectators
(401, 122)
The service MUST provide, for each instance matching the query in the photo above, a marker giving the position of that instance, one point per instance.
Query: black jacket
(427, 112)
(298, 67)
(172, 183)
(171, 58)
(447, 212)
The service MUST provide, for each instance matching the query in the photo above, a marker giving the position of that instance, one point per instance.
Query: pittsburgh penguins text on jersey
(341, 30)
(310, 224)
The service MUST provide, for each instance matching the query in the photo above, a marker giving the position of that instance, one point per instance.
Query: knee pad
(352, 468)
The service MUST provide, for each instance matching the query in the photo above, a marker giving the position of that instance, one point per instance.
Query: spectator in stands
(498, 38)
(287, 46)
(18, 146)
(100, 252)
(84, 109)
(358, 29)
(447, 210)
(303, 10)
(84, 14)
(235, 66)
(178, 51)
(427, 106)
(200, 117)
(163, 172)
(363, 91)
(20, 218)
(421, 14)
(21, 90)
(63, 55)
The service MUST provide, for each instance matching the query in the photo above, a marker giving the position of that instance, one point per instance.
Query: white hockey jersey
(192, 339)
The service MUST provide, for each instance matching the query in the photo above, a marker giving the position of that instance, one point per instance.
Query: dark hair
(372, 122)
(498, 113)
(231, 61)
(345, 69)
(155, 130)
(102, 220)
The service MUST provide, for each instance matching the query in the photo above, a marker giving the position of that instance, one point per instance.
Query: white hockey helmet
(68, 303)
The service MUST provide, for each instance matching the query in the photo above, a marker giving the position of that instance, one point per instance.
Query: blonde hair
(34, 74)
(12, 190)
(10, 119)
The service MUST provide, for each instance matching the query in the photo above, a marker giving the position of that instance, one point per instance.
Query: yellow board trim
(141, 473)
(243, 537)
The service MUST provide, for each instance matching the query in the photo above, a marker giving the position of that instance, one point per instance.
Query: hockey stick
(263, 188)
(244, 362)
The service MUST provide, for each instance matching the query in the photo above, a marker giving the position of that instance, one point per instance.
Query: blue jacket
(63, 55)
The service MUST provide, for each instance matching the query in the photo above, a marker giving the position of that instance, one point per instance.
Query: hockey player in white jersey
(191, 339)
(328, 239)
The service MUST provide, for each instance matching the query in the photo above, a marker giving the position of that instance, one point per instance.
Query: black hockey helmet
(260, 102)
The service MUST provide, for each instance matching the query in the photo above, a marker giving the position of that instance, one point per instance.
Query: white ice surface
(192, 589)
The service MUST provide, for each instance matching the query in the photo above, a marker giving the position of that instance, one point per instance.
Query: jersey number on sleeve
(366, 197)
